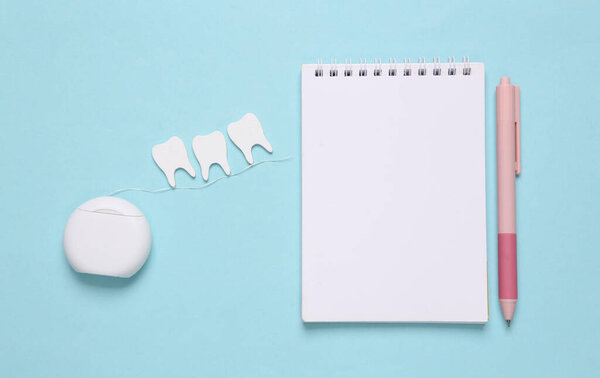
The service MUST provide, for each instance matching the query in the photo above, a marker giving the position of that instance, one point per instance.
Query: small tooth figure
(211, 149)
(246, 133)
(170, 156)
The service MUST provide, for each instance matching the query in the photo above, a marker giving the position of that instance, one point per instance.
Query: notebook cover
(393, 196)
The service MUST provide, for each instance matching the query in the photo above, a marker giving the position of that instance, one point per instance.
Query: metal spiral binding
(348, 68)
(393, 69)
(333, 71)
(452, 66)
(362, 69)
(437, 67)
(377, 70)
(466, 66)
(422, 71)
(319, 70)
(407, 69)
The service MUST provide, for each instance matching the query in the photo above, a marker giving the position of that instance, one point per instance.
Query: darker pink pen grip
(508, 166)
(507, 266)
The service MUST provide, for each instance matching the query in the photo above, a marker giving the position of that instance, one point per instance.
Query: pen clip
(517, 131)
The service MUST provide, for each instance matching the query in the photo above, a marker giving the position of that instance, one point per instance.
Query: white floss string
(168, 189)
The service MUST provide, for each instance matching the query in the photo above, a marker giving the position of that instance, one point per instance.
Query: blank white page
(393, 196)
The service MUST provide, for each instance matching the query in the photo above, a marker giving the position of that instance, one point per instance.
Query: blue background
(87, 88)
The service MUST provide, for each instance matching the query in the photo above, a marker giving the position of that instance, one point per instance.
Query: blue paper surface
(87, 88)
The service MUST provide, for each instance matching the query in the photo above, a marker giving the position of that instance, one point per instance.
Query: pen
(508, 129)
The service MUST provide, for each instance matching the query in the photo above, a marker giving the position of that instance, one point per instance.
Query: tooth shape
(246, 133)
(170, 156)
(211, 149)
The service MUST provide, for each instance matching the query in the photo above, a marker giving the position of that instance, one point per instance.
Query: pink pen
(508, 129)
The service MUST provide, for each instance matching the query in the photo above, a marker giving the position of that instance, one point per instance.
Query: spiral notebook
(393, 192)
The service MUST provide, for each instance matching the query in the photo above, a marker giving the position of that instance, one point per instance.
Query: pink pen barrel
(508, 164)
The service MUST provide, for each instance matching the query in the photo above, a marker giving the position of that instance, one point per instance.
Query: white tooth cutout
(170, 156)
(246, 133)
(211, 149)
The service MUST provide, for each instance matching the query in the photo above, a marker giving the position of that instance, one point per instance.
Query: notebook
(393, 193)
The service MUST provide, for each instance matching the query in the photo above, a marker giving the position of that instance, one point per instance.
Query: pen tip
(508, 322)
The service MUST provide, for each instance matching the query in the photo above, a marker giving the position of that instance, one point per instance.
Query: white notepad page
(393, 195)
